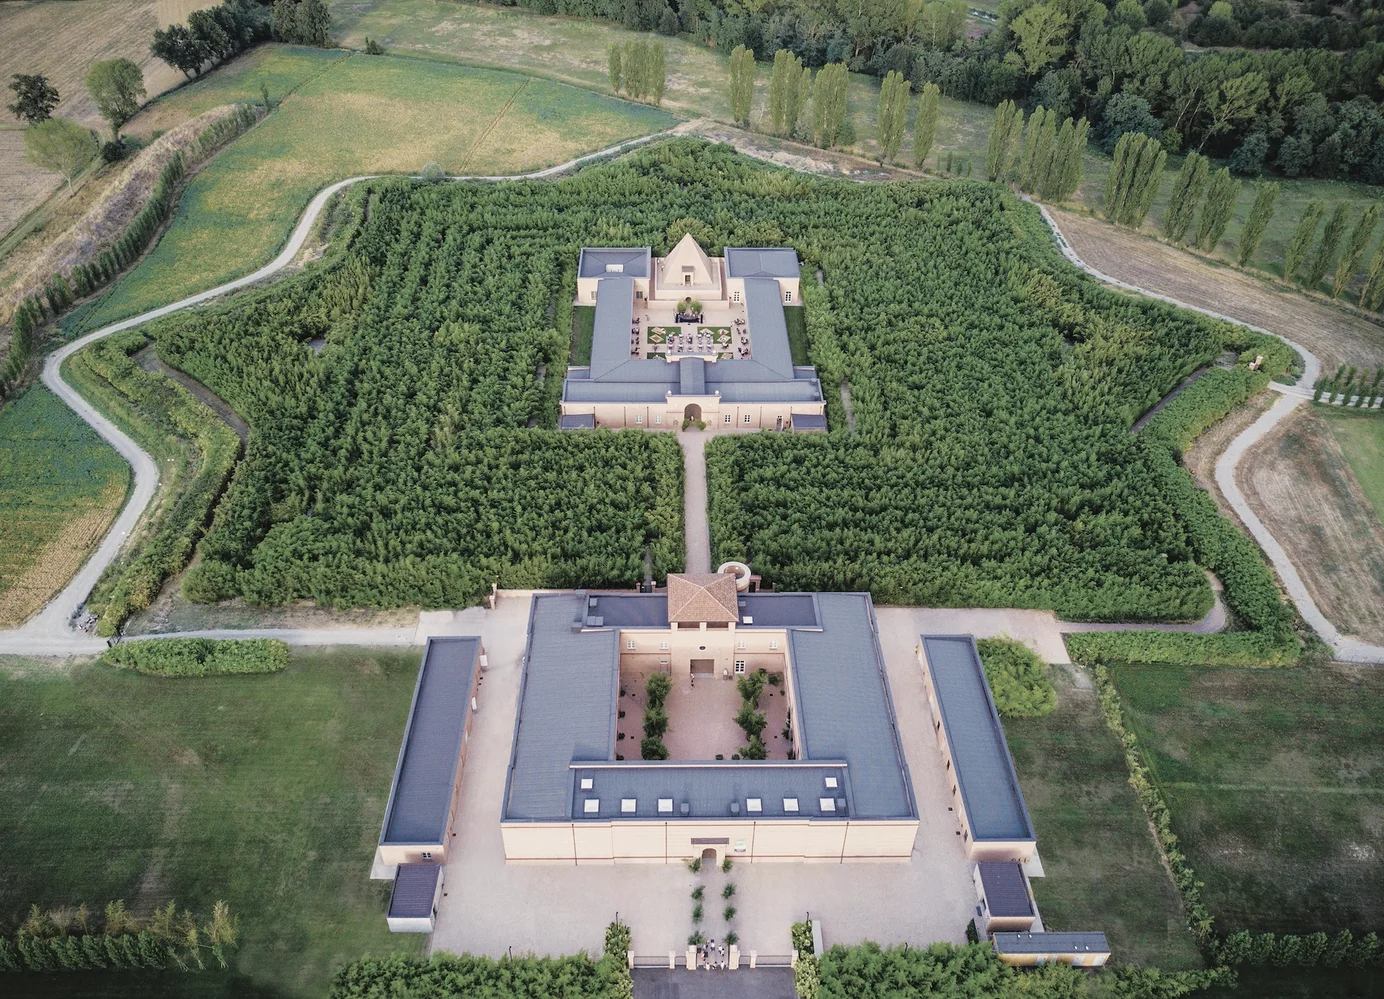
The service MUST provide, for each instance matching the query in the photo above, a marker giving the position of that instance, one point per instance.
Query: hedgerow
(159, 407)
(198, 656)
(1018, 678)
(1269, 637)
(115, 939)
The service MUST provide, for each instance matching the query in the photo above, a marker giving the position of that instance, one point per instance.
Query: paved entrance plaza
(490, 907)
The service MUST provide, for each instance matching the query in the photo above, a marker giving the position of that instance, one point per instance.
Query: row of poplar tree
(813, 108)
(1041, 158)
(638, 69)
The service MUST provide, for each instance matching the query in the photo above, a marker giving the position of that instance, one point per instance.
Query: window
(427, 856)
(831, 782)
(735, 296)
(773, 644)
(740, 643)
(638, 293)
(727, 417)
(587, 783)
(663, 646)
(591, 806)
(790, 804)
(629, 644)
(754, 805)
(747, 417)
(663, 661)
(628, 805)
(686, 278)
(638, 419)
(665, 806)
(788, 296)
(739, 666)
(827, 804)
(658, 417)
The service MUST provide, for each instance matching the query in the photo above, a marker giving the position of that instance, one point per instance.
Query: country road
(50, 632)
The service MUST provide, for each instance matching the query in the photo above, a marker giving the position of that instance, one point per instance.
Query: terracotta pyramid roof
(702, 596)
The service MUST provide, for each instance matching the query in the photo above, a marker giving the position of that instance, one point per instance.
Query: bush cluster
(652, 746)
(1018, 678)
(447, 976)
(78, 940)
(750, 719)
(198, 656)
(1344, 949)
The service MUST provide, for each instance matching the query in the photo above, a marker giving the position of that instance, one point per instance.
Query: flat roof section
(1052, 943)
(767, 262)
(566, 705)
(712, 790)
(610, 338)
(984, 770)
(845, 711)
(415, 885)
(597, 261)
(426, 774)
(768, 327)
(1006, 890)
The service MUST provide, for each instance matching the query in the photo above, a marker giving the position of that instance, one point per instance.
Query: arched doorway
(709, 855)
(692, 412)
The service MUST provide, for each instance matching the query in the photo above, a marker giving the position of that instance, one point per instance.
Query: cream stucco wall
(716, 414)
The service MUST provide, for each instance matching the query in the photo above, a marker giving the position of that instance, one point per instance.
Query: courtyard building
(689, 337)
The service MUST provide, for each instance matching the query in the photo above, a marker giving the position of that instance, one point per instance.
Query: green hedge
(198, 656)
(1018, 678)
(1251, 593)
(156, 406)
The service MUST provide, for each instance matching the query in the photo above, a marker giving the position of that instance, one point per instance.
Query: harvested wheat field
(60, 488)
(1300, 483)
(1335, 335)
(61, 39)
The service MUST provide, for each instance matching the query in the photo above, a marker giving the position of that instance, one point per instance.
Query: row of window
(658, 419)
(628, 806)
(739, 644)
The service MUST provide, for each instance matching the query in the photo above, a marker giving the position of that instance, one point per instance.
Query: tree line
(78, 939)
(638, 69)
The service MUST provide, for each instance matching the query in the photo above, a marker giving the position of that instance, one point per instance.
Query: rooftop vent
(686, 808)
(735, 808)
(840, 804)
(748, 619)
(615, 268)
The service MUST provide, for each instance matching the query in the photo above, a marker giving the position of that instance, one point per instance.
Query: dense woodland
(410, 461)
(1288, 88)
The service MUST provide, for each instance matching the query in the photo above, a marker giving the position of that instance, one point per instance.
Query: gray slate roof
(768, 329)
(414, 888)
(610, 340)
(984, 770)
(578, 421)
(567, 705)
(427, 770)
(1092, 942)
(809, 421)
(766, 262)
(594, 260)
(692, 376)
(845, 711)
(1006, 890)
(710, 789)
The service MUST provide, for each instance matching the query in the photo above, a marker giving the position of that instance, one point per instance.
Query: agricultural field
(343, 115)
(264, 791)
(61, 485)
(1275, 781)
(61, 40)
(1100, 860)
(1300, 483)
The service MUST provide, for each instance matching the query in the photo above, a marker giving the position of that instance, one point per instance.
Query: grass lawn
(343, 115)
(1361, 436)
(796, 319)
(60, 487)
(265, 791)
(1103, 870)
(1275, 780)
(583, 329)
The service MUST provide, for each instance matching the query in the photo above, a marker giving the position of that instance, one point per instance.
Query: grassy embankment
(60, 487)
(574, 50)
(341, 115)
(1101, 864)
(265, 791)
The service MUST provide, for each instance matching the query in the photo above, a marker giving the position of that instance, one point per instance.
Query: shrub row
(23, 339)
(68, 940)
(161, 408)
(1251, 592)
(1310, 950)
(1018, 678)
(807, 979)
(750, 719)
(198, 656)
(617, 948)
(652, 746)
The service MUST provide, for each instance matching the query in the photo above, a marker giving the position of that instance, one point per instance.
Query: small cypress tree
(658, 72)
(1302, 238)
(1332, 233)
(797, 118)
(782, 78)
(1035, 160)
(1355, 248)
(829, 104)
(893, 114)
(1265, 198)
(1219, 207)
(1373, 291)
(1115, 183)
(1055, 170)
(1023, 164)
(1072, 168)
(1001, 129)
(1187, 188)
(925, 128)
(742, 70)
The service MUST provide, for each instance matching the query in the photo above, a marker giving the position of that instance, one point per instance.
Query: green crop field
(1099, 857)
(60, 487)
(343, 116)
(1275, 780)
(1361, 436)
(265, 791)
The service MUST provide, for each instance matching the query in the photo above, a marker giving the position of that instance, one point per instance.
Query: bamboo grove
(412, 460)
